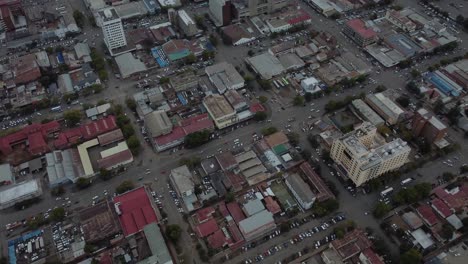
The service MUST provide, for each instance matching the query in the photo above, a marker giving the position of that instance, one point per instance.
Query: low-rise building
(363, 155)
(236, 35)
(158, 123)
(266, 65)
(366, 113)
(220, 111)
(63, 167)
(182, 182)
(225, 77)
(236, 100)
(385, 107)
(426, 125)
(184, 81)
(257, 225)
(300, 190)
(17, 193)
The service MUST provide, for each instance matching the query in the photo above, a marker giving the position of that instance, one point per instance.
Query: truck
(406, 181)
(386, 192)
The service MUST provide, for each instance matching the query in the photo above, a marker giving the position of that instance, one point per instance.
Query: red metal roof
(321, 190)
(218, 239)
(116, 159)
(372, 257)
(136, 211)
(197, 123)
(455, 199)
(425, 211)
(207, 228)
(235, 211)
(360, 27)
(110, 137)
(272, 205)
(176, 134)
(226, 160)
(37, 144)
(441, 208)
(299, 18)
(98, 127)
(223, 209)
(258, 107)
(204, 214)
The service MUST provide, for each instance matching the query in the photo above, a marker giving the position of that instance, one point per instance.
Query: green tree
(266, 131)
(57, 214)
(308, 97)
(79, 18)
(82, 183)
(191, 162)
(105, 174)
(127, 130)
(191, 58)
(298, 100)
(57, 191)
(339, 232)
(285, 227)
(265, 84)
(380, 88)
(260, 116)
(381, 209)
(134, 144)
(72, 117)
(464, 169)
(173, 232)
(403, 101)
(214, 40)
(262, 99)
(131, 104)
(121, 120)
(314, 143)
(164, 80)
(92, 21)
(196, 139)
(446, 232)
(230, 197)
(293, 138)
(125, 186)
(411, 256)
(415, 73)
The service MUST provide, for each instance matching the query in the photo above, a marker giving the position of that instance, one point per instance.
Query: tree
(298, 100)
(313, 141)
(464, 169)
(198, 189)
(380, 88)
(381, 209)
(339, 232)
(72, 117)
(265, 84)
(411, 256)
(403, 101)
(57, 191)
(384, 130)
(230, 197)
(131, 104)
(191, 162)
(127, 130)
(191, 58)
(82, 183)
(214, 40)
(57, 214)
(196, 139)
(413, 88)
(308, 97)
(293, 138)
(121, 120)
(133, 144)
(88, 248)
(260, 116)
(79, 18)
(164, 80)
(173, 232)
(124, 187)
(446, 232)
(92, 21)
(460, 19)
(447, 176)
(285, 227)
(250, 53)
(263, 99)
(105, 174)
(266, 131)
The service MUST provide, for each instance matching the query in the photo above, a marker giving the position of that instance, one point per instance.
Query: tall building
(248, 8)
(186, 23)
(385, 107)
(11, 15)
(363, 154)
(358, 31)
(114, 35)
(426, 125)
(221, 11)
(220, 111)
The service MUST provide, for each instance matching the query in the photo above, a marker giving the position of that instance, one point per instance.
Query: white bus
(386, 192)
(406, 181)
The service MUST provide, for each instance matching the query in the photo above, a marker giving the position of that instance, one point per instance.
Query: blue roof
(160, 57)
(442, 85)
(181, 98)
(403, 44)
(60, 58)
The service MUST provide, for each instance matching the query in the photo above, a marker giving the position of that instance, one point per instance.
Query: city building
(12, 16)
(6, 174)
(257, 225)
(184, 81)
(158, 123)
(251, 8)
(236, 35)
(398, 19)
(63, 167)
(366, 113)
(129, 65)
(114, 35)
(221, 11)
(266, 65)
(326, 7)
(115, 157)
(152, 6)
(99, 222)
(363, 155)
(220, 110)
(236, 100)
(310, 85)
(348, 248)
(186, 23)
(426, 125)
(358, 31)
(318, 186)
(301, 191)
(159, 252)
(385, 107)
(225, 77)
(19, 192)
(182, 181)
(288, 19)
(146, 99)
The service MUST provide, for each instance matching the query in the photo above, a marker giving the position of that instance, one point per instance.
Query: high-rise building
(11, 15)
(186, 23)
(363, 154)
(114, 35)
(358, 31)
(221, 11)
(426, 125)
(246, 8)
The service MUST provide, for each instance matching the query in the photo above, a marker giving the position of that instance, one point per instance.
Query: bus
(281, 82)
(285, 81)
(56, 109)
(386, 192)
(406, 181)
(276, 84)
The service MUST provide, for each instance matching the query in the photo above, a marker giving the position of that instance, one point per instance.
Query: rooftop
(19, 191)
(441, 208)
(108, 14)
(160, 252)
(276, 139)
(266, 65)
(135, 210)
(322, 191)
(253, 206)
(98, 222)
(235, 211)
(300, 188)
(183, 179)
(256, 221)
(422, 238)
(224, 76)
(367, 112)
(425, 211)
(218, 106)
(206, 228)
(360, 27)
(129, 65)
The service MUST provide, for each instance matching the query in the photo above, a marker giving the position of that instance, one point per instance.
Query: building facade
(114, 35)
(385, 107)
(428, 126)
(221, 11)
(359, 32)
(220, 111)
(186, 23)
(363, 155)
(300, 190)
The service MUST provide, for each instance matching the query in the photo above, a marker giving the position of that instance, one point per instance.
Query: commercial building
(349, 247)
(358, 31)
(114, 35)
(63, 167)
(19, 192)
(326, 7)
(225, 77)
(183, 184)
(398, 19)
(310, 85)
(12, 16)
(385, 107)
(253, 206)
(6, 174)
(266, 65)
(135, 210)
(220, 111)
(236, 35)
(246, 8)
(129, 65)
(363, 155)
(184, 81)
(236, 100)
(186, 23)
(366, 113)
(158, 123)
(426, 125)
(257, 225)
(221, 11)
(99, 222)
(301, 191)
(159, 252)
(115, 157)
(318, 186)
